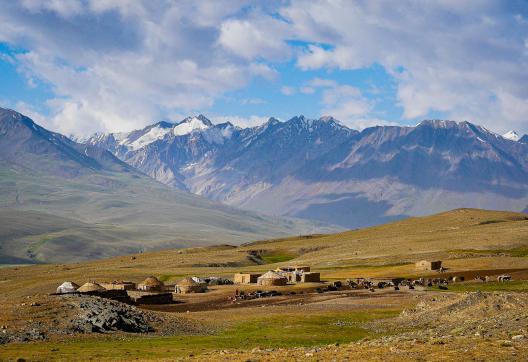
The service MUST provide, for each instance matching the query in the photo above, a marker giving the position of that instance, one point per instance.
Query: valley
(262, 181)
(64, 201)
(351, 323)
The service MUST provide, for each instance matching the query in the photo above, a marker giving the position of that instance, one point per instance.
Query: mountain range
(320, 169)
(65, 201)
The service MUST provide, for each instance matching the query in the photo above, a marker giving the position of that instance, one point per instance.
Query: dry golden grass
(466, 240)
(386, 250)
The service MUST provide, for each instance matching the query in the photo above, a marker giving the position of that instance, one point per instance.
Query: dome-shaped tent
(151, 284)
(91, 287)
(67, 287)
(189, 285)
(272, 278)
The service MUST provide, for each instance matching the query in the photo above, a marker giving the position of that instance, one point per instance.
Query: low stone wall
(150, 298)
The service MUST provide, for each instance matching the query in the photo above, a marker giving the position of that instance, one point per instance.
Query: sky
(85, 66)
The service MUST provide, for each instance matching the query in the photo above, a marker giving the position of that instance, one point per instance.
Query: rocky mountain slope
(61, 200)
(322, 170)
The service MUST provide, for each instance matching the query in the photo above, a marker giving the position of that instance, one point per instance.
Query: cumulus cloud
(288, 91)
(467, 59)
(307, 90)
(345, 103)
(258, 37)
(118, 65)
(253, 101)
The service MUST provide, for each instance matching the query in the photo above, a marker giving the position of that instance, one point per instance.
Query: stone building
(428, 265)
(118, 285)
(310, 277)
(246, 278)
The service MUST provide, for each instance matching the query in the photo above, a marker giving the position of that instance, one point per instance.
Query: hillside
(354, 323)
(320, 169)
(63, 201)
(466, 239)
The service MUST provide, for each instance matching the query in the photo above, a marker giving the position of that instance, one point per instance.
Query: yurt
(67, 287)
(151, 284)
(189, 285)
(272, 278)
(91, 287)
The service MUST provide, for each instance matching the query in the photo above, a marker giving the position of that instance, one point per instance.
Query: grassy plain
(274, 331)
(470, 242)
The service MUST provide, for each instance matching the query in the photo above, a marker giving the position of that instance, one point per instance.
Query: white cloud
(239, 121)
(362, 123)
(259, 37)
(253, 101)
(29, 111)
(307, 90)
(262, 70)
(457, 57)
(116, 65)
(288, 91)
(347, 104)
(321, 83)
(65, 9)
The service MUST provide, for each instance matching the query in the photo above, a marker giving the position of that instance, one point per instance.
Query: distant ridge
(320, 169)
(65, 201)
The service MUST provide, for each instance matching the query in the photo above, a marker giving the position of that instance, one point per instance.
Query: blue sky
(82, 66)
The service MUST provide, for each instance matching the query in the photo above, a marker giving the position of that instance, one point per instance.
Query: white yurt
(67, 287)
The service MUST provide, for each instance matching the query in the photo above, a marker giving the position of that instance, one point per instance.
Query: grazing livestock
(504, 278)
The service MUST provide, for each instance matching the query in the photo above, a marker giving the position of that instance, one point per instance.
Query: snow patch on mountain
(155, 133)
(189, 125)
(120, 136)
(511, 135)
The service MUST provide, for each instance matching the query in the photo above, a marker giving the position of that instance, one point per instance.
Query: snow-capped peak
(512, 136)
(328, 119)
(190, 124)
(154, 134)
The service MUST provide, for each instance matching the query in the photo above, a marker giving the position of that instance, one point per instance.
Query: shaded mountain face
(65, 201)
(319, 169)
(524, 139)
(27, 145)
(184, 154)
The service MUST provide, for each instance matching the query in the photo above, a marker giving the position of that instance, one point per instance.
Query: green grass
(286, 330)
(520, 252)
(364, 266)
(517, 252)
(280, 258)
(511, 286)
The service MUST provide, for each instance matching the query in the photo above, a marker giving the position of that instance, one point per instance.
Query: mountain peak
(9, 115)
(164, 124)
(190, 124)
(270, 122)
(511, 135)
(328, 119)
(205, 120)
(439, 123)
